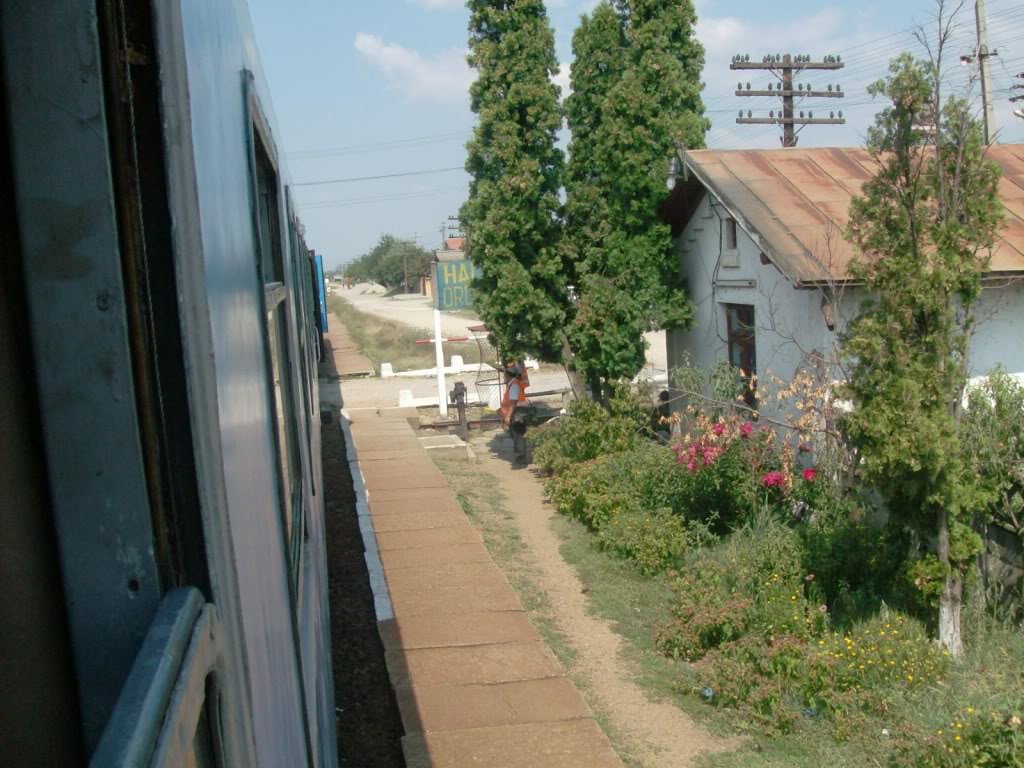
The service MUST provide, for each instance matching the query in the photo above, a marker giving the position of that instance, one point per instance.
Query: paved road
(416, 311)
(413, 310)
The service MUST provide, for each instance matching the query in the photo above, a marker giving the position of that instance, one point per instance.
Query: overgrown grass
(386, 341)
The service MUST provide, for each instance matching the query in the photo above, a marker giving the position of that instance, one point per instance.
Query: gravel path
(658, 734)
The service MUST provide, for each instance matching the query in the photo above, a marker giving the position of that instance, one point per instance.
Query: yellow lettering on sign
(450, 273)
(463, 273)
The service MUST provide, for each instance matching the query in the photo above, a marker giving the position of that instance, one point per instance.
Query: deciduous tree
(925, 226)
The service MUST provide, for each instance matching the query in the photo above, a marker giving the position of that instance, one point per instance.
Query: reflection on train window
(279, 353)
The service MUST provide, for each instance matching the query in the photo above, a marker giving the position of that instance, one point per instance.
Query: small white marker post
(442, 398)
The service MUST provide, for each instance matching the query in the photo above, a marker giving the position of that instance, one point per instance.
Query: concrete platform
(566, 744)
(342, 357)
(475, 683)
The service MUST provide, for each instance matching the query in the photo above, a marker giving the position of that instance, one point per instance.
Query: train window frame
(276, 298)
(303, 328)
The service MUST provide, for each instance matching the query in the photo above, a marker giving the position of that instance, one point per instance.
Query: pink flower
(773, 480)
(809, 474)
(692, 451)
(746, 429)
(719, 428)
(692, 466)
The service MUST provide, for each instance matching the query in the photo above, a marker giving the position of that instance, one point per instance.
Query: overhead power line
(380, 146)
(381, 176)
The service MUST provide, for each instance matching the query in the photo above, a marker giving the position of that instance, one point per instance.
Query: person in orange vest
(512, 416)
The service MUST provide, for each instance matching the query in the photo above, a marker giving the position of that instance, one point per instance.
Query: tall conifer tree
(513, 215)
(636, 95)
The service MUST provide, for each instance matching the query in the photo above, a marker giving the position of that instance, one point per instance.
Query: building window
(743, 347)
(730, 234)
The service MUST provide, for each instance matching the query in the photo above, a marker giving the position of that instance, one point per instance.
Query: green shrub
(719, 494)
(752, 582)
(654, 541)
(644, 477)
(972, 740)
(843, 678)
(857, 565)
(588, 431)
(993, 439)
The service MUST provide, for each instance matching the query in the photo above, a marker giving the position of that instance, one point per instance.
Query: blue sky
(372, 87)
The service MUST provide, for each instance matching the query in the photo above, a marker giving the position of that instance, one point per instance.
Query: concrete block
(405, 399)
(382, 607)
(386, 371)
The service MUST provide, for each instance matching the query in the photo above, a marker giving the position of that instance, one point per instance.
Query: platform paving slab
(397, 559)
(398, 494)
(460, 630)
(565, 744)
(387, 470)
(390, 454)
(474, 664)
(385, 443)
(417, 521)
(414, 506)
(429, 708)
(429, 537)
(431, 577)
(454, 599)
(412, 481)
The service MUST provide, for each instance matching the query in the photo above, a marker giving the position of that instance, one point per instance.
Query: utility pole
(986, 70)
(1014, 99)
(458, 227)
(981, 55)
(783, 67)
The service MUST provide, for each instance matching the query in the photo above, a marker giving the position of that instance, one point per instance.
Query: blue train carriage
(164, 594)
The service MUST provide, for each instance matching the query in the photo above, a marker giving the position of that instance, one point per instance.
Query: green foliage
(858, 566)
(925, 227)
(597, 491)
(636, 95)
(735, 588)
(993, 438)
(842, 678)
(971, 740)
(513, 212)
(386, 262)
(588, 431)
(654, 541)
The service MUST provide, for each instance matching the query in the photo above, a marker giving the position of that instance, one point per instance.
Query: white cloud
(442, 77)
(562, 78)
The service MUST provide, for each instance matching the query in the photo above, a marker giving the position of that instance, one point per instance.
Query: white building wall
(789, 322)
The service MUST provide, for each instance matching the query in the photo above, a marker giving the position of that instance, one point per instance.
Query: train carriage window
(280, 356)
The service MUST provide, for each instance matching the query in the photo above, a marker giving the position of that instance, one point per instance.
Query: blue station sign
(452, 282)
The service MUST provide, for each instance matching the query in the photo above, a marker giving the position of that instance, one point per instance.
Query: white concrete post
(442, 396)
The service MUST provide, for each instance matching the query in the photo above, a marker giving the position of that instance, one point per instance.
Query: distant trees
(385, 263)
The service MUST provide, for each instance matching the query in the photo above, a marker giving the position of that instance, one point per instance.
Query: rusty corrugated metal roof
(795, 203)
